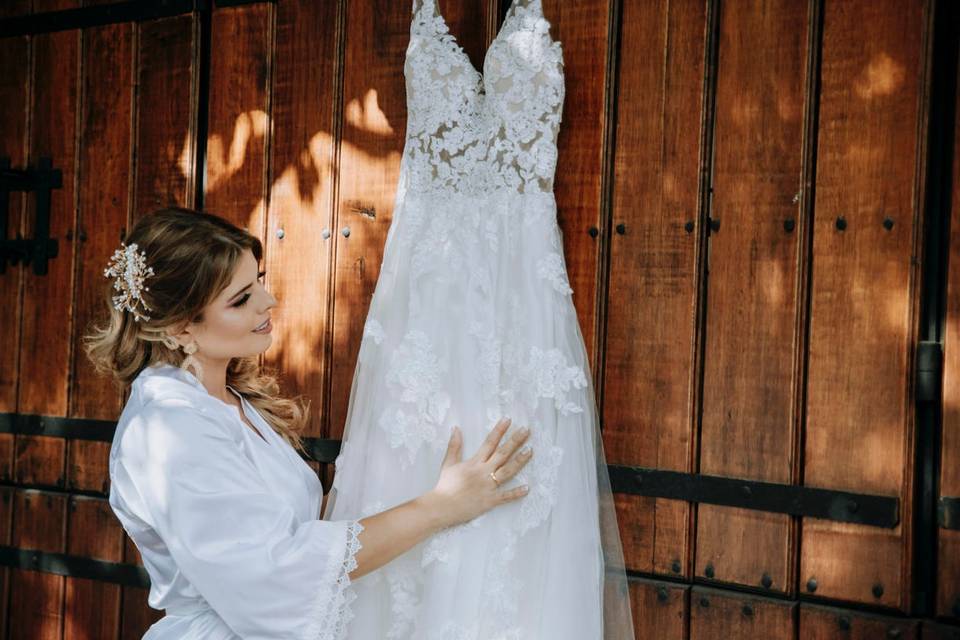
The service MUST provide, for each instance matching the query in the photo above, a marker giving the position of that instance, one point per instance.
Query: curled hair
(193, 255)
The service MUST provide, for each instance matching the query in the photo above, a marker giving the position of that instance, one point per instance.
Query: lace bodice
(475, 133)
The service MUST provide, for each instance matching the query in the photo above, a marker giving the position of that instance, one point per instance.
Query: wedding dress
(471, 320)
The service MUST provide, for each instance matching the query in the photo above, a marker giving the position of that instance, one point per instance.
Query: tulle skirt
(472, 319)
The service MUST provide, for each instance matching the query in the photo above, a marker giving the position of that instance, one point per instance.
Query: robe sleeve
(264, 572)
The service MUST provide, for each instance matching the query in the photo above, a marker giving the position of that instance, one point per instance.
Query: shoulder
(165, 417)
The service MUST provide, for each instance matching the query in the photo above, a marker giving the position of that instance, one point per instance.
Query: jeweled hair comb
(129, 269)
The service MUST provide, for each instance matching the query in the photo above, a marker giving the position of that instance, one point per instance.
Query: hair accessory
(129, 269)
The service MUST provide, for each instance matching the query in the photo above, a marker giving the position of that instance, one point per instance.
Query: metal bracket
(948, 513)
(812, 502)
(929, 371)
(38, 250)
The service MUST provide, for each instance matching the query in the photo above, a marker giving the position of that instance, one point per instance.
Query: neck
(215, 378)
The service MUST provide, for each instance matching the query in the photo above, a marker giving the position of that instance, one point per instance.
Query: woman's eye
(242, 301)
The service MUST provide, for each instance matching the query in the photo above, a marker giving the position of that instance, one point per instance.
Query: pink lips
(266, 329)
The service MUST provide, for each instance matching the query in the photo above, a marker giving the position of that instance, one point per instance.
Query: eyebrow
(231, 298)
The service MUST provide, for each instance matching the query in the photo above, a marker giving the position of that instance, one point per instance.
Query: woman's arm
(464, 491)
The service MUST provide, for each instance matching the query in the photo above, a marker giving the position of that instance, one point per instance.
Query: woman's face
(230, 321)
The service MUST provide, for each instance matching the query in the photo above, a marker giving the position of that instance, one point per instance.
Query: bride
(205, 475)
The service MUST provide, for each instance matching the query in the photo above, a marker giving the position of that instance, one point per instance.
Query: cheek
(230, 326)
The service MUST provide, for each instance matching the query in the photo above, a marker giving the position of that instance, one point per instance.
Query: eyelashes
(242, 301)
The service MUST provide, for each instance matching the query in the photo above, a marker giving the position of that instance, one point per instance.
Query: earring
(170, 342)
(190, 361)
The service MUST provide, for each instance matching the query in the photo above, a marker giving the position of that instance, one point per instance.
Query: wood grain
(860, 409)
(753, 336)
(948, 541)
(718, 614)
(302, 180)
(648, 378)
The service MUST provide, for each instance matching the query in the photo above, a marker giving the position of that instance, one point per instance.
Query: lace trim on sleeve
(333, 612)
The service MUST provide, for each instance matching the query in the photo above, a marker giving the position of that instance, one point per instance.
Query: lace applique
(540, 474)
(405, 585)
(544, 374)
(333, 613)
(375, 330)
(551, 268)
(476, 133)
(440, 546)
(415, 377)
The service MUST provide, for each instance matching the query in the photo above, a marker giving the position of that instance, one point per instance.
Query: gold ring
(493, 474)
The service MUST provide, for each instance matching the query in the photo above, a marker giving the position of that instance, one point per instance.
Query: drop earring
(190, 361)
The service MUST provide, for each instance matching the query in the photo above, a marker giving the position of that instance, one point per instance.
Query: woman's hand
(466, 489)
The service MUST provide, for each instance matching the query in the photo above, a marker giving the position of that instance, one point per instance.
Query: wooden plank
(300, 199)
(36, 600)
(239, 118)
(724, 614)
(6, 538)
(948, 541)
(165, 122)
(860, 401)
(14, 91)
(659, 609)
(137, 614)
(373, 123)
(933, 631)
(751, 380)
(649, 411)
(824, 623)
(92, 608)
(581, 28)
(14, 95)
(104, 189)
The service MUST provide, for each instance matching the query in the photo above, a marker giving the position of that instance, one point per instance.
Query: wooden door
(750, 194)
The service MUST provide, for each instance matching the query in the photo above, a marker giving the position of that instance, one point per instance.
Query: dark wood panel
(948, 543)
(6, 538)
(581, 28)
(648, 378)
(373, 123)
(103, 202)
(659, 610)
(92, 608)
(14, 97)
(718, 614)
(36, 599)
(239, 117)
(303, 151)
(14, 94)
(823, 623)
(860, 409)
(933, 631)
(165, 121)
(749, 422)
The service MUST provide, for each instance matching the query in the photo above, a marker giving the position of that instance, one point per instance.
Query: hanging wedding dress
(471, 320)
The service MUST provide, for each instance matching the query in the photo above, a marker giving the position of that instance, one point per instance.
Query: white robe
(227, 524)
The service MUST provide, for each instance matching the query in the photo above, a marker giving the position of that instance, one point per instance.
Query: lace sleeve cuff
(333, 613)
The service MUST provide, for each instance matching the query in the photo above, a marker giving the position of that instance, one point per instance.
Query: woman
(205, 474)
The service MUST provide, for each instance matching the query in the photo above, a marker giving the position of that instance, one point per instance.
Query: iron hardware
(41, 248)
(877, 590)
(593, 231)
(812, 585)
(689, 226)
(841, 223)
(888, 223)
(789, 225)
(766, 581)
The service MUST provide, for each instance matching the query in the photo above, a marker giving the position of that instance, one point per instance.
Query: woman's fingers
(454, 448)
(509, 447)
(492, 440)
(514, 494)
(514, 464)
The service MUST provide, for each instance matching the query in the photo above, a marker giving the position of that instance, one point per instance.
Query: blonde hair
(193, 255)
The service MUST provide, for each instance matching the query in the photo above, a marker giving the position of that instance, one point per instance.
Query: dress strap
(425, 5)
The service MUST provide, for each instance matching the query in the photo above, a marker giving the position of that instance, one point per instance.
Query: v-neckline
(456, 41)
(243, 415)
